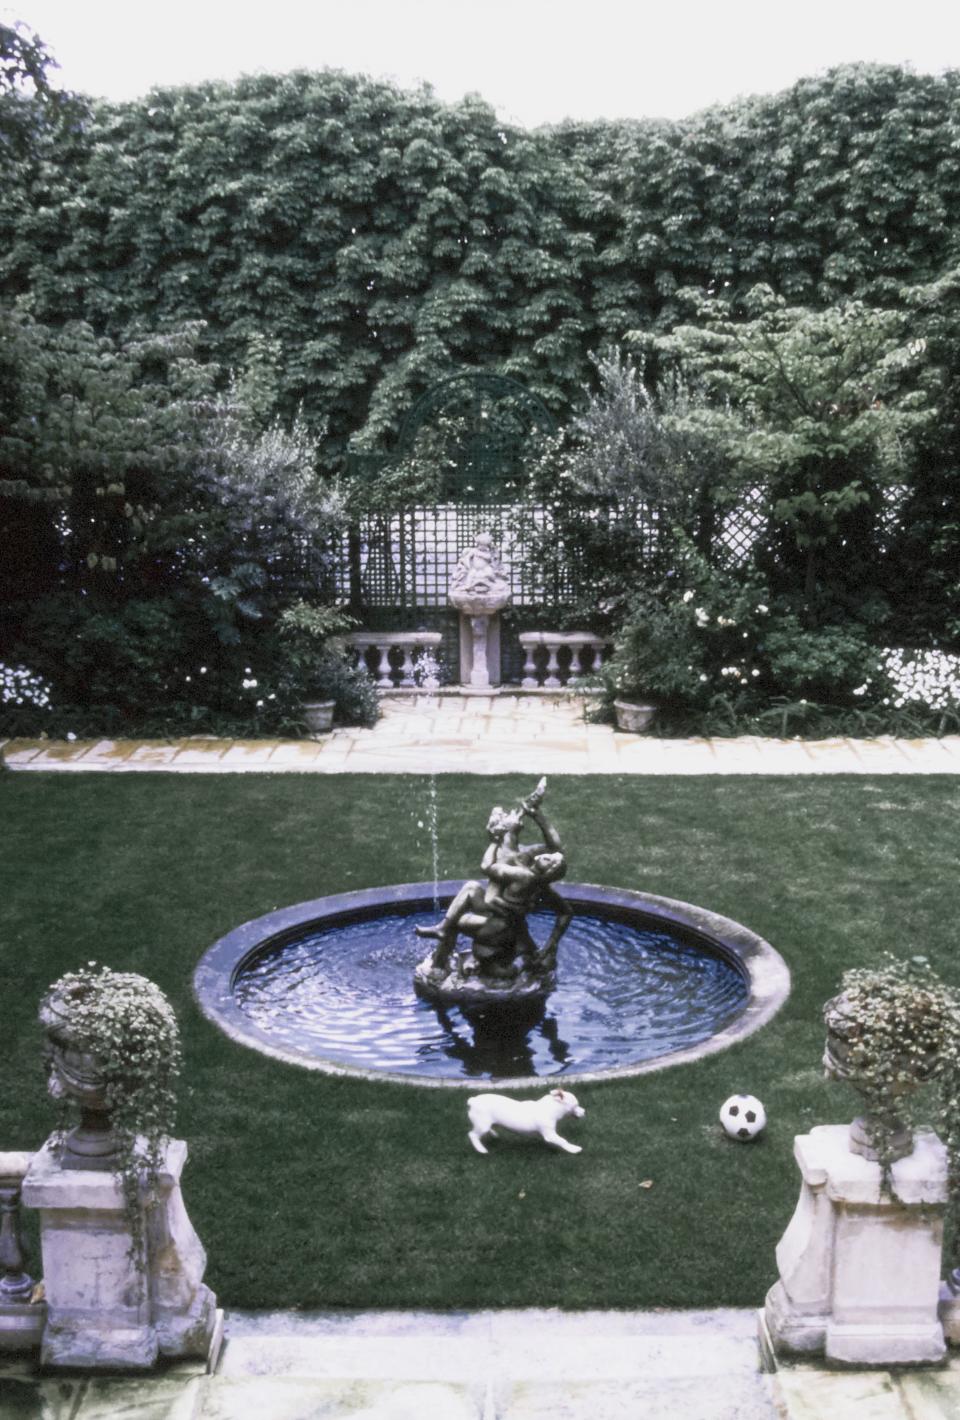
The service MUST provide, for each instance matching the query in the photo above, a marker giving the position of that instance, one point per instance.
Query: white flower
(762, 610)
(246, 684)
(687, 596)
(702, 618)
(725, 621)
(71, 735)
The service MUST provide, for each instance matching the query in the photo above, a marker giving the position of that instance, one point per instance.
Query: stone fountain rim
(761, 965)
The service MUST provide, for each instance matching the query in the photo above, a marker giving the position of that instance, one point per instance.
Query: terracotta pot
(318, 715)
(633, 716)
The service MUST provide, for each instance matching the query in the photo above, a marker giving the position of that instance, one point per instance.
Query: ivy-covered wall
(384, 239)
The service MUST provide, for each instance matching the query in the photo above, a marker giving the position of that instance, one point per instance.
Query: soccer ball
(743, 1117)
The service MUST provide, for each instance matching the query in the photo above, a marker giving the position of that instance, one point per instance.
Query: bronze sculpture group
(503, 962)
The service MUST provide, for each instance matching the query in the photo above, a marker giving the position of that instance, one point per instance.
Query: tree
(818, 408)
(148, 524)
(635, 473)
(925, 544)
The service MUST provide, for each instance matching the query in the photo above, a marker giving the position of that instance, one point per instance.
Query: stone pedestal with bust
(479, 589)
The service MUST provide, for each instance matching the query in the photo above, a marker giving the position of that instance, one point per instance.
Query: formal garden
(272, 355)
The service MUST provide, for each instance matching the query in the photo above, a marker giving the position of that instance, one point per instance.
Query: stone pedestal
(860, 1272)
(102, 1312)
(480, 651)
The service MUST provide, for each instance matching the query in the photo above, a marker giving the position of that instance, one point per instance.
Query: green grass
(311, 1191)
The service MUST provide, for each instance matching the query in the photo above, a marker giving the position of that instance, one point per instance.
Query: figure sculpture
(479, 579)
(504, 963)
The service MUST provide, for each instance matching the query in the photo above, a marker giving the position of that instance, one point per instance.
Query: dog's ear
(558, 1095)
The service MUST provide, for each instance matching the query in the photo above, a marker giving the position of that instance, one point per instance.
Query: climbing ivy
(381, 239)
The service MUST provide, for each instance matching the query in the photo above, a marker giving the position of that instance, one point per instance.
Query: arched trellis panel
(479, 431)
(483, 426)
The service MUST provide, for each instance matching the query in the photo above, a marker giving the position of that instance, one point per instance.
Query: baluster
(15, 1284)
(406, 670)
(382, 667)
(529, 681)
(575, 672)
(552, 681)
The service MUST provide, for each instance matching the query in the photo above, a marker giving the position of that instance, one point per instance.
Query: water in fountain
(337, 981)
(625, 994)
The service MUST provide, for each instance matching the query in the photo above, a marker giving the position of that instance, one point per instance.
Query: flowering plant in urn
(113, 1050)
(891, 1029)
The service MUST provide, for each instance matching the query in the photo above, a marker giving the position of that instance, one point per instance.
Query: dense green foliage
(208, 293)
(385, 239)
(306, 1190)
(155, 530)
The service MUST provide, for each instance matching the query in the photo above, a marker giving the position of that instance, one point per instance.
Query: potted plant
(321, 678)
(655, 661)
(113, 1051)
(891, 1029)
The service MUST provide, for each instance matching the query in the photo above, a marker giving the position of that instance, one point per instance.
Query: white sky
(536, 61)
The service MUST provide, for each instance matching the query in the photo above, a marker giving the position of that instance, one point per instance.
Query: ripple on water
(625, 995)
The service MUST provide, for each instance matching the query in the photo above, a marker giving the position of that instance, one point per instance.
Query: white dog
(488, 1113)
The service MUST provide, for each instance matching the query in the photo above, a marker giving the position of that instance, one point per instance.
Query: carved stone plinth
(860, 1271)
(479, 589)
(102, 1312)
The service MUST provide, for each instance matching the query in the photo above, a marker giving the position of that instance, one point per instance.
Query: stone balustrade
(21, 1320)
(553, 659)
(381, 650)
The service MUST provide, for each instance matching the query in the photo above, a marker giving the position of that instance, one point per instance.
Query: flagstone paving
(490, 1365)
(490, 734)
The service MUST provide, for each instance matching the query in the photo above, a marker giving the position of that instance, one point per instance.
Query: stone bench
(381, 651)
(554, 659)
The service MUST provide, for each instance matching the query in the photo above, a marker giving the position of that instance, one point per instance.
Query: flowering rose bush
(929, 678)
(681, 645)
(18, 686)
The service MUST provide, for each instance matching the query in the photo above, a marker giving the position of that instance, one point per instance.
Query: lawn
(310, 1191)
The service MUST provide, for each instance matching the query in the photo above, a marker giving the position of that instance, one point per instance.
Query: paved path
(492, 734)
(494, 1365)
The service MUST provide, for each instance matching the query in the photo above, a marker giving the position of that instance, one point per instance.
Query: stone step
(515, 1365)
(495, 1365)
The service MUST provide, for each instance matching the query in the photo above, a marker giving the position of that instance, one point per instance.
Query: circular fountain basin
(644, 982)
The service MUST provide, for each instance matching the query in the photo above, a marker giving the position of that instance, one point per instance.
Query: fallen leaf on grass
(646, 1183)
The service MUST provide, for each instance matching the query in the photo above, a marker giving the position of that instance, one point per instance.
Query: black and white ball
(743, 1117)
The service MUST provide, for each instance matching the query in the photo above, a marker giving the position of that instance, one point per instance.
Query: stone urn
(479, 589)
(843, 1028)
(75, 1074)
(318, 716)
(634, 716)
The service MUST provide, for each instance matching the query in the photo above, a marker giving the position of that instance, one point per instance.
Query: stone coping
(762, 967)
(454, 732)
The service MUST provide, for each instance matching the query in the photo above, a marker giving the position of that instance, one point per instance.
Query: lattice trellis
(395, 569)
